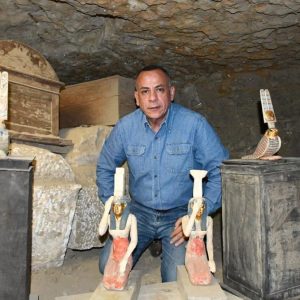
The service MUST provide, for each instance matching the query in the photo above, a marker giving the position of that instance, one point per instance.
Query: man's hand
(177, 236)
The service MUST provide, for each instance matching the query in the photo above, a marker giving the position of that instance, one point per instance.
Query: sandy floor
(79, 273)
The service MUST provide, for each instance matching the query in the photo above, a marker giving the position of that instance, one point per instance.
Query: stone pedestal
(261, 221)
(85, 296)
(15, 227)
(159, 291)
(188, 291)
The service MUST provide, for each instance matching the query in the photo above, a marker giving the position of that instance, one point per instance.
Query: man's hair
(154, 67)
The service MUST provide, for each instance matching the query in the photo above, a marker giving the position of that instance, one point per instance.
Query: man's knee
(172, 257)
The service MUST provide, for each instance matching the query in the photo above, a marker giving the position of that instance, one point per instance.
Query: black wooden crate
(261, 227)
(15, 228)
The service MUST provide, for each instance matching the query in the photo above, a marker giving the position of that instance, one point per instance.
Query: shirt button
(155, 195)
(155, 176)
(155, 157)
(156, 137)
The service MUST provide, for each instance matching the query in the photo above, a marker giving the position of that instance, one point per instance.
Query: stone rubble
(83, 159)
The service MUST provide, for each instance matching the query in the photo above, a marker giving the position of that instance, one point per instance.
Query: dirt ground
(79, 274)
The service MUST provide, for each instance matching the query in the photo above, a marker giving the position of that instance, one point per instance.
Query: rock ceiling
(90, 39)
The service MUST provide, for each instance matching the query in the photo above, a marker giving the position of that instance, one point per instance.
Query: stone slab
(232, 294)
(159, 291)
(232, 297)
(198, 292)
(33, 297)
(85, 296)
(129, 293)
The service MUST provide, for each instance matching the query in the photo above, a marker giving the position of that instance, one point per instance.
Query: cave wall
(231, 102)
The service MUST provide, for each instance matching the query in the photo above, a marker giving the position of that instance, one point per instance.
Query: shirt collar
(167, 120)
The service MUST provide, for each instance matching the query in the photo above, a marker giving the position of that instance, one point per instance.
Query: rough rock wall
(231, 102)
(83, 39)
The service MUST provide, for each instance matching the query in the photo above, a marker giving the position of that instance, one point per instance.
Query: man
(161, 142)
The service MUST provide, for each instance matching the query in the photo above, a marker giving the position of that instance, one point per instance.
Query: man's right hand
(177, 236)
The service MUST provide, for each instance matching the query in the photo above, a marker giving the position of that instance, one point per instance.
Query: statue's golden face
(200, 210)
(118, 209)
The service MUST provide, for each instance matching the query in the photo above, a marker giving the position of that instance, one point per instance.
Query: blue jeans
(152, 225)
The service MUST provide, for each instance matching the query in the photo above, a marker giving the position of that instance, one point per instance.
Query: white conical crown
(119, 183)
(198, 176)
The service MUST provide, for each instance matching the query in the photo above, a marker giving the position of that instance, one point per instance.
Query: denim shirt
(159, 162)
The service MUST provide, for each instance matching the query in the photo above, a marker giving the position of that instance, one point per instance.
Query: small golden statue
(122, 226)
(196, 225)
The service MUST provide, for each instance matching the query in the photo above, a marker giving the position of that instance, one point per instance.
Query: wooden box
(98, 102)
(261, 228)
(33, 90)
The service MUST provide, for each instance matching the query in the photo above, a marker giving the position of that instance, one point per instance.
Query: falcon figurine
(270, 143)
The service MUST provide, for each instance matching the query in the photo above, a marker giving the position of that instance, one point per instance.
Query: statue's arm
(188, 225)
(105, 217)
(209, 245)
(132, 244)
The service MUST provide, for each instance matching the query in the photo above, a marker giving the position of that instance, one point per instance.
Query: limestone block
(88, 142)
(54, 200)
(48, 167)
(85, 296)
(158, 291)
(188, 291)
(54, 208)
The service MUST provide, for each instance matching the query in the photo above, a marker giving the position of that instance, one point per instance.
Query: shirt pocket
(179, 158)
(136, 158)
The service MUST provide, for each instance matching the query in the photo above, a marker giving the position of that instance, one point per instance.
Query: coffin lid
(21, 58)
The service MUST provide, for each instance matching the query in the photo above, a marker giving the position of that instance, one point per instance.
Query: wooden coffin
(97, 102)
(33, 93)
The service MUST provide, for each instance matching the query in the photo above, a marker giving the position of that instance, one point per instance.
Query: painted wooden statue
(270, 143)
(196, 225)
(4, 139)
(122, 225)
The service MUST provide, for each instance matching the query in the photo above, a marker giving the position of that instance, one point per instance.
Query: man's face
(153, 95)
